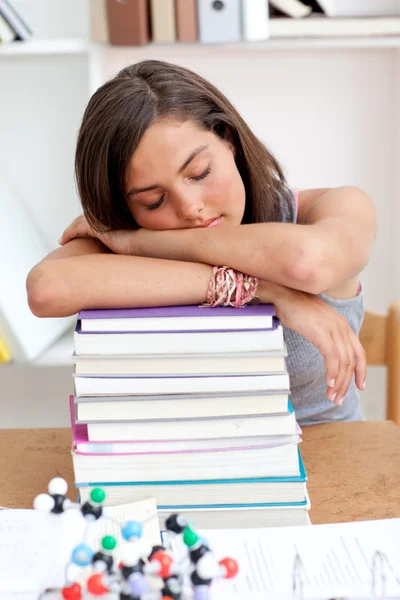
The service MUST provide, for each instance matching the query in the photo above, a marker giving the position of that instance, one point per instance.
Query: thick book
(177, 318)
(182, 406)
(238, 363)
(193, 428)
(280, 464)
(186, 20)
(206, 494)
(119, 385)
(166, 342)
(128, 22)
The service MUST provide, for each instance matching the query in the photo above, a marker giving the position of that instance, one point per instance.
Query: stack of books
(191, 406)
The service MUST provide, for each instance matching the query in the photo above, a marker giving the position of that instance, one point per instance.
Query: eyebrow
(189, 159)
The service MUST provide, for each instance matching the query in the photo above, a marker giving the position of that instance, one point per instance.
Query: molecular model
(143, 573)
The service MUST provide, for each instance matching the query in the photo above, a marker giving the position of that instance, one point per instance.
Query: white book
(174, 343)
(195, 406)
(192, 495)
(255, 20)
(98, 386)
(192, 429)
(238, 363)
(322, 26)
(269, 461)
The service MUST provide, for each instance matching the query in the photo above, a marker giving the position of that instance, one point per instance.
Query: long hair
(121, 110)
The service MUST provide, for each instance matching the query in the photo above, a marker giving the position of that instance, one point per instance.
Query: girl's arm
(330, 244)
(83, 274)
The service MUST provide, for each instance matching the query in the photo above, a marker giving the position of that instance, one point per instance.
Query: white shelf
(48, 47)
(78, 46)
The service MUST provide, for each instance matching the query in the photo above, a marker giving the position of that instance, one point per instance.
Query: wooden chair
(380, 337)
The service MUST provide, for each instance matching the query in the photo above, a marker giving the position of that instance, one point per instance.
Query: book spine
(163, 21)
(98, 21)
(219, 22)
(128, 22)
(255, 20)
(292, 8)
(186, 21)
(15, 21)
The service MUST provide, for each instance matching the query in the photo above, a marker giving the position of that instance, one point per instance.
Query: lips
(211, 222)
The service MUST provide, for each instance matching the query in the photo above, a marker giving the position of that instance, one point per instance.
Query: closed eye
(156, 204)
(203, 175)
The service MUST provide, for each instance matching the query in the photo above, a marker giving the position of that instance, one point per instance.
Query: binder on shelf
(163, 21)
(128, 23)
(219, 21)
(255, 20)
(186, 21)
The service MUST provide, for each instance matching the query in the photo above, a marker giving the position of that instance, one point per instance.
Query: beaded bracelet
(228, 287)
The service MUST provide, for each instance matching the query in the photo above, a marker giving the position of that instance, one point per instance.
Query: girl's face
(181, 177)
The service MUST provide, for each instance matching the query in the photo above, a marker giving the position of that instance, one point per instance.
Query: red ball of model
(73, 592)
(95, 585)
(165, 561)
(231, 567)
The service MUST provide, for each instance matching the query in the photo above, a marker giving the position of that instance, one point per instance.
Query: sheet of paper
(35, 547)
(336, 560)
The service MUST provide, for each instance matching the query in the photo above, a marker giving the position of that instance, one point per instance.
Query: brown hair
(121, 110)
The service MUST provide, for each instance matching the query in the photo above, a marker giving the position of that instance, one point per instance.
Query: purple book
(178, 318)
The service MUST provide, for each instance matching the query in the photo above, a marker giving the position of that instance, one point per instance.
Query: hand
(327, 330)
(120, 242)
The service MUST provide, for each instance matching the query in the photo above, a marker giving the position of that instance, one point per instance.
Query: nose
(189, 205)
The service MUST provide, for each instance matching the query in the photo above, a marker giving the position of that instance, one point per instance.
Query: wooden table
(353, 468)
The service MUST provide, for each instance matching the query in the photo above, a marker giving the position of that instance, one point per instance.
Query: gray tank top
(305, 363)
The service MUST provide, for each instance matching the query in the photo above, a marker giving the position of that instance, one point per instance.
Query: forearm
(58, 288)
(276, 252)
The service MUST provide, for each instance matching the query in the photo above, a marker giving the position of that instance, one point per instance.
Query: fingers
(347, 365)
(352, 362)
(78, 228)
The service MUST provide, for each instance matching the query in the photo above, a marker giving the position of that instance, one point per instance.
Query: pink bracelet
(228, 287)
